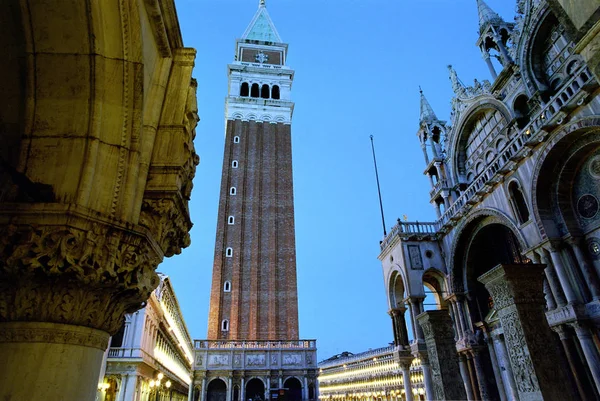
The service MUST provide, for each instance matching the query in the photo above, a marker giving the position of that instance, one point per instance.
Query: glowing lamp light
(160, 376)
(152, 383)
(168, 384)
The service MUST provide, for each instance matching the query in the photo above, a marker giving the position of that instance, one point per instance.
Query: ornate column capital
(74, 269)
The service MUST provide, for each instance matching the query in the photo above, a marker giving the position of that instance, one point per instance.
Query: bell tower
(253, 350)
(253, 294)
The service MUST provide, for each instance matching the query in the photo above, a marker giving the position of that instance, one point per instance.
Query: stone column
(243, 389)
(519, 302)
(572, 356)
(486, 390)
(405, 367)
(399, 326)
(464, 373)
(427, 378)
(553, 280)
(591, 280)
(415, 310)
(495, 366)
(441, 351)
(510, 387)
(191, 388)
(203, 391)
(128, 387)
(563, 276)
(488, 62)
(584, 334)
(305, 387)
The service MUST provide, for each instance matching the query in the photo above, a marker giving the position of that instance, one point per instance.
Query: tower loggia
(253, 349)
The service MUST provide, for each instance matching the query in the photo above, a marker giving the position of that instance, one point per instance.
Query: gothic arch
(464, 233)
(553, 172)
(462, 132)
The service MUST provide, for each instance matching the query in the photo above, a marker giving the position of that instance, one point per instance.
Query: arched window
(231, 220)
(518, 202)
(255, 91)
(229, 252)
(245, 89)
(236, 139)
(275, 92)
(264, 91)
(232, 191)
(234, 164)
(227, 286)
(521, 108)
(225, 325)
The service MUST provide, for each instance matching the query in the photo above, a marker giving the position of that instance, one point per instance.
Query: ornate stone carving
(441, 353)
(170, 226)
(517, 291)
(63, 274)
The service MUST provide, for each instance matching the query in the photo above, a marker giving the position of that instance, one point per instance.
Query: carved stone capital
(73, 270)
(170, 226)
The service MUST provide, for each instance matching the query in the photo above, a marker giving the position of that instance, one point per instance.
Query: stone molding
(52, 333)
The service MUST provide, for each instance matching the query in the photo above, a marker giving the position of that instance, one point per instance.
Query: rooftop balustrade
(572, 94)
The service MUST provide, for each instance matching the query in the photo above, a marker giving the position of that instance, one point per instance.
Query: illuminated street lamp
(158, 384)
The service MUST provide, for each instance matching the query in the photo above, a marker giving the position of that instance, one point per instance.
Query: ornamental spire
(262, 3)
(457, 85)
(486, 15)
(427, 113)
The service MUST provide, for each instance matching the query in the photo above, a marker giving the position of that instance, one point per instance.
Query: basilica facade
(513, 259)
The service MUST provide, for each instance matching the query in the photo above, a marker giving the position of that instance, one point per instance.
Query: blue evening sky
(358, 67)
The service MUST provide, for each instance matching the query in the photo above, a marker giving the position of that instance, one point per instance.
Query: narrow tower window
(234, 164)
(275, 92)
(236, 139)
(229, 252)
(244, 90)
(225, 325)
(264, 91)
(231, 220)
(518, 201)
(227, 286)
(255, 90)
(232, 191)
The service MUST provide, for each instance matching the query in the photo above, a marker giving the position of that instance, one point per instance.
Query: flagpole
(378, 187)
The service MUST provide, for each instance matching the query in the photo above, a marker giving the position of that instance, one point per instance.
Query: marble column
(305, 386)
(553, 280)
(484, 384)
(427, 378)
(591, 280)
(563, 275)
(399, 326)
(441, 352)
(191, 388)
(229, 388)
(203, 390)
(243, 388)
(405, 367)
(486, 56)
(415, 310)
(578, 374)
(508, 379)
(517, 291)
(496, 367)
(464, 373)
(590, 350)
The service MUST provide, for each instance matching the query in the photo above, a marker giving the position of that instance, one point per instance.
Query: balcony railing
(570, 95)
(225, 344)
(118, 352)
(374, 353)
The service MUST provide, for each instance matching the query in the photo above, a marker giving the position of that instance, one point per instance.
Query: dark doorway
(294, 389)
(255, 390)
(217, 390)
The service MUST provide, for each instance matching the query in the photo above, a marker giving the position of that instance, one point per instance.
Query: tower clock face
(261, 57)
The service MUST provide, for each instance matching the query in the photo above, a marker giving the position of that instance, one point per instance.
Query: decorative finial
(420, 90)
(262, 3)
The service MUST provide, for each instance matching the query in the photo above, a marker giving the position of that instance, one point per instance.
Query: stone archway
(294, 388)
(255, 389)
(216, 390)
